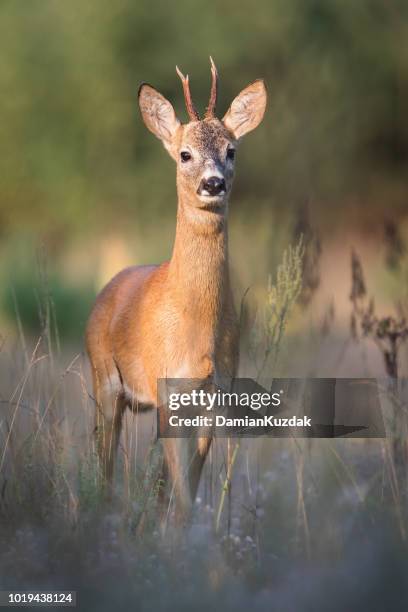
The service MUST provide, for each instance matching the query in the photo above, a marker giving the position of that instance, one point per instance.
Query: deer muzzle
(212, 186)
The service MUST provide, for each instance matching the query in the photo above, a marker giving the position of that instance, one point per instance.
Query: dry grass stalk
(389, 334)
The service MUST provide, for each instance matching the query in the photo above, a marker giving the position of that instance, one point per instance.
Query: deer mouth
(215, 204)
(211, 197)
(210, 200)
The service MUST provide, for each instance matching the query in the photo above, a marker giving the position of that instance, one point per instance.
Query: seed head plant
(389, 334)
(281, 297)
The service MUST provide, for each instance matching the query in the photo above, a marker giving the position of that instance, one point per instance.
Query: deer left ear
(247, 110)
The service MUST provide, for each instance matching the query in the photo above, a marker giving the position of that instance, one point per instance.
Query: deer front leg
(183, 461)
(198, 452)
(175, 487)
(184, 457)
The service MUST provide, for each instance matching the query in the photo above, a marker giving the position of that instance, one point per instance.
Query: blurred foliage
(74, 152)
(77, 163)
(26, 299)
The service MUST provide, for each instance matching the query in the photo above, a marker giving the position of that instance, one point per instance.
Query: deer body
(176, 320)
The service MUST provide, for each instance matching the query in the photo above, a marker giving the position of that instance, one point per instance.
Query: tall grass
(294, 512)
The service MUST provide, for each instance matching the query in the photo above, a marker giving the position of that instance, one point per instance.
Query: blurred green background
(84, 182)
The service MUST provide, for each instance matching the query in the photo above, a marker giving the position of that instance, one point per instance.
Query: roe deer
(177, 319)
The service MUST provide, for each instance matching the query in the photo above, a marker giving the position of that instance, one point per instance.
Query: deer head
(204, 149)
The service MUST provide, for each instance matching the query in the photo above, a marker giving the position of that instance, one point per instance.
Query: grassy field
(306, 525)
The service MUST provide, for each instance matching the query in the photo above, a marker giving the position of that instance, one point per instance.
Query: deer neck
(198, 269)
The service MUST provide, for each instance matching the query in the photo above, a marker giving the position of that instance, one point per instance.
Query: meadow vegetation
(273, 519)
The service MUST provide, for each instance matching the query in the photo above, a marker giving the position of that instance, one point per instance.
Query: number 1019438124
(36, 598)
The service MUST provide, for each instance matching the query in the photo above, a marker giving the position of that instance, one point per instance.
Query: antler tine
(210, 112)
(192, 112)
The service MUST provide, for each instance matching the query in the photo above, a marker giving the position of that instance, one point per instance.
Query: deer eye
(185, 156)
(230, 154)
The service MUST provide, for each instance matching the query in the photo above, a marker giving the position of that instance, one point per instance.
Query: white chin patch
(204, 196)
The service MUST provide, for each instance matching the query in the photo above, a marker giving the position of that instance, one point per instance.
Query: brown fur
(176, 320)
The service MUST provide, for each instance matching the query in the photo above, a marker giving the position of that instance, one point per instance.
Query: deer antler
(210, 112)
(192, 112)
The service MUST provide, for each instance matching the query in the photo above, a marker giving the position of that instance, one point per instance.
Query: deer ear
(247, 110)
(158, 114)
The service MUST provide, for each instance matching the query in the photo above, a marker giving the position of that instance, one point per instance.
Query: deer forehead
(208, 137)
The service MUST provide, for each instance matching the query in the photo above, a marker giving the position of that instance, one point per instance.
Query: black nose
(213, 186)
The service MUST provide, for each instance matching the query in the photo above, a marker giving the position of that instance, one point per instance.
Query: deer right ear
(158, 115)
